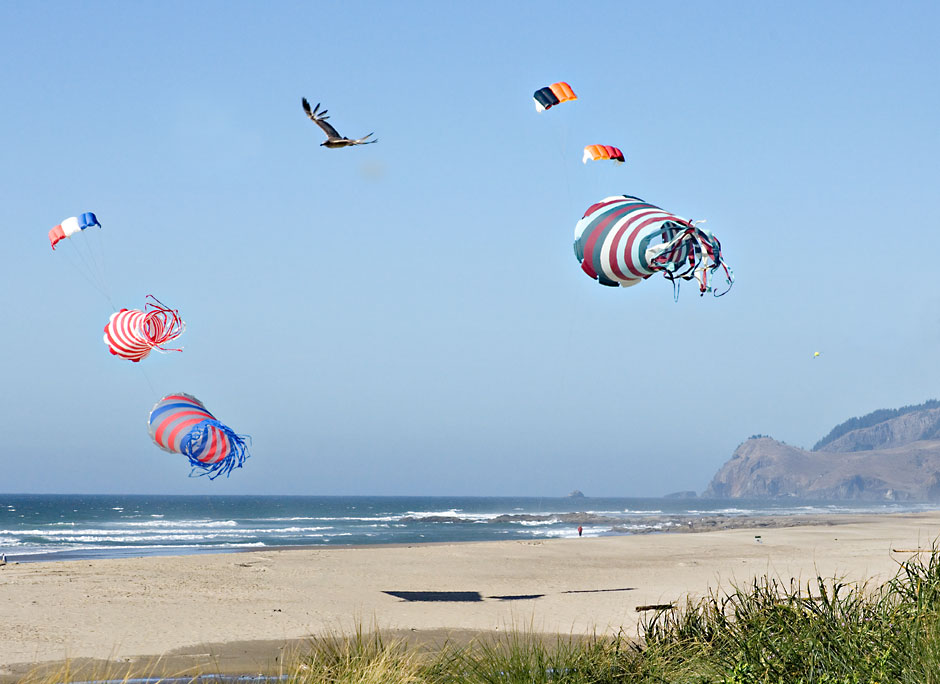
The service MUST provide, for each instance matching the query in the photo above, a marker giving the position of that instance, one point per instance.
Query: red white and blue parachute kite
(86, 253)
(180, 424)
(623, 240)
(72, 225)
(131, 333)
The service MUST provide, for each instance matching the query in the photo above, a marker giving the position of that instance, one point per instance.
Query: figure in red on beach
(580, 530)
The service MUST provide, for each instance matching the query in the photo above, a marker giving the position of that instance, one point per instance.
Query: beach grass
(824, 631)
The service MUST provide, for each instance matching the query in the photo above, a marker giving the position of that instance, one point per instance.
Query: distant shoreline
(76, 527)
(676, 525)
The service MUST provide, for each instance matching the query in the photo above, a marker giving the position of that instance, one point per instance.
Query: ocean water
(68, 527)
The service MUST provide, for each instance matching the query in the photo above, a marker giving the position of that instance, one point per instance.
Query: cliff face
(896, 459)
(764, 467)
(911, 427)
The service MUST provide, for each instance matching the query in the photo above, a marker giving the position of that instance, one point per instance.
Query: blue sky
(409, 317)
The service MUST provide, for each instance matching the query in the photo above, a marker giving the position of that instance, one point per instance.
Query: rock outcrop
(762, 468)
(910, 427)
(688, 494)
(897, 459)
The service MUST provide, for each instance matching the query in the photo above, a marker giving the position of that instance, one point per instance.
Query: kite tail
(194, 445)
(729, 278)
(693, 253)
(161, 325)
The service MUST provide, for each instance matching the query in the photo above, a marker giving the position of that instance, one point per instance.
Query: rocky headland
(890, 454)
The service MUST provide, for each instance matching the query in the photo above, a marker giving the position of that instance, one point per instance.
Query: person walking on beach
(580, 530)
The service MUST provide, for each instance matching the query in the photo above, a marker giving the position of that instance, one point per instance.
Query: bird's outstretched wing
(364, 140)
(319, 119)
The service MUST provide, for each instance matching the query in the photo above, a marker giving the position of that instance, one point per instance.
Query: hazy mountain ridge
(894, 459)
(871, 419)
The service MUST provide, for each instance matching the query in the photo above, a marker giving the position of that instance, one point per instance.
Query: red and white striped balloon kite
(132, 333)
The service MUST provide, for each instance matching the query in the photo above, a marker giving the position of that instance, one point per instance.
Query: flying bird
(333, 138)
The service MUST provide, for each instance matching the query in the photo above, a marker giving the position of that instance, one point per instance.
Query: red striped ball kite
(180, 424)
(132, 333)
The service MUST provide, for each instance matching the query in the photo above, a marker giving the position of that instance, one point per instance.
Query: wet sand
(242, 612)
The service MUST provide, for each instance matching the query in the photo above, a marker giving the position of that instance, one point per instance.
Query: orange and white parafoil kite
(596, 152)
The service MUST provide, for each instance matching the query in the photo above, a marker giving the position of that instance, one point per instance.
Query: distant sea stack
(682, 495)
(887, 455)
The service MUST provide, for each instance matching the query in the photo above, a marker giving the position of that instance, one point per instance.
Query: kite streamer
(131, 333)
(623, 240)
(180, 424)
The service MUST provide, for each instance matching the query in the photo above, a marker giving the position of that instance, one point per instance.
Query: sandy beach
(238, 612)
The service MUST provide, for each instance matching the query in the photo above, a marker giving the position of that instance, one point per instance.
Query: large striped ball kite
(180, 424)
(623, 240)
(131, 333)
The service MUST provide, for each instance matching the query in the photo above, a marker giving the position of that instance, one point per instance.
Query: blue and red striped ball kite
(180, 424)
